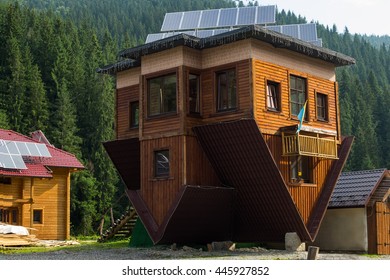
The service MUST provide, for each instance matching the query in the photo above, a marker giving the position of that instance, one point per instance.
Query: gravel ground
(181, 253)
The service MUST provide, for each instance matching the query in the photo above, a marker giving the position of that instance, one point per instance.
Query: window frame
(296, 90)
(40, 220)
(190, 96)
(276, 96)
(133, 119)
(232, 101)
(163, 77)
(164, 174)
(301, 170)
(324, 108)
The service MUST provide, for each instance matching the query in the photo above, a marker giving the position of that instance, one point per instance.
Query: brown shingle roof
(354, 188)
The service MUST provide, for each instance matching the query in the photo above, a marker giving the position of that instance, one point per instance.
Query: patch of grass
(85, 244)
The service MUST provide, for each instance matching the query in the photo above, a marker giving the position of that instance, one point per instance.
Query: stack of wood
(15, 236)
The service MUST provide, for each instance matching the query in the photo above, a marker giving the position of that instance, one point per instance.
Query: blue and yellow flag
(301, 116)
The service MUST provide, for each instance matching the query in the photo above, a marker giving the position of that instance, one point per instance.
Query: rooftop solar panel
(247, 16)
(227, 17)
(209, 18)
(266, 14)
(190, 20)
(172, 21)
(308, 32)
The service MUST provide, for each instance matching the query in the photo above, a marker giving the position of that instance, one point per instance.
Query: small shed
(358, 215)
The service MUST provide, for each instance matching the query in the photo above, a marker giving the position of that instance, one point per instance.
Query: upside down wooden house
(35, 184)
(207, 139)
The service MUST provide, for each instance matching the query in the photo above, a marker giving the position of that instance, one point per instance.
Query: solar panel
(172, 21)
(266, 14)
(190, 20)
(308, 32)
(247, 16)
(12, 161)
(227, 17)
(209, 18)
(291, 30)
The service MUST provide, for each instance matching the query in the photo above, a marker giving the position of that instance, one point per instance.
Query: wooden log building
(35, 184)
(207, 141)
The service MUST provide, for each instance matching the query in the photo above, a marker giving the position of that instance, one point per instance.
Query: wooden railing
(296, 144)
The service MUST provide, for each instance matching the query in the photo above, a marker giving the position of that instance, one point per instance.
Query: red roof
(38, 166)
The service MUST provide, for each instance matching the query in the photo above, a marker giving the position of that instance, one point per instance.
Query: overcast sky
(359, 16)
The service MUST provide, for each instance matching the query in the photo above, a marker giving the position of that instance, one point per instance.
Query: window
(322, 107)
(37, 216)
(226, 90)
(273, 96)
(297, 95)
(162, 95)
(161, 163)
(300, 168)
(134, 114)
(5, 180)
(194, 93)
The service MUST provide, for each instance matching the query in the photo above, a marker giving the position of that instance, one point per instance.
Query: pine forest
(50, 51)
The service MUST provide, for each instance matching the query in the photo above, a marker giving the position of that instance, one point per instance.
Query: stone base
(293, 242)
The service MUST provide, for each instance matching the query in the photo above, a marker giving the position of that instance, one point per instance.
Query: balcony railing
(314, 146)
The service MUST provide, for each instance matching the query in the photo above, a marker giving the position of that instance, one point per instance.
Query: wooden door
(383, 228)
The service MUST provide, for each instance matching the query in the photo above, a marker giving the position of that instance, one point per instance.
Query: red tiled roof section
(36, 166)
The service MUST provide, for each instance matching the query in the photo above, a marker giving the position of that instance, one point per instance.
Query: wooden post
(312, 252)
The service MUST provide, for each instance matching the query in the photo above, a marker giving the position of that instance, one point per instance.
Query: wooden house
(207, 141)
(358, 215)
(35, 184)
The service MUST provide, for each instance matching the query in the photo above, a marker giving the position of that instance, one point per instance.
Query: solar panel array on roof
(219, 18)
(12, 152)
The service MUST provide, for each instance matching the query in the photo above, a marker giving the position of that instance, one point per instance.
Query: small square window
(322, 107)
(273, 96)
(161, 163)
(38, 216)
(134, 114)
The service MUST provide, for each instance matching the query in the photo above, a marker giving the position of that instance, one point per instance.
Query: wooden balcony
(314, 145)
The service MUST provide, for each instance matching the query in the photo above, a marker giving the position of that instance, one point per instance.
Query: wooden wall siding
(270, 122)
(52, 197)
(244, 93)
(123, 98)
(128, 78)
(159, 194)
(13, 191)
(382, 228)
(198, 168)
(304, 196)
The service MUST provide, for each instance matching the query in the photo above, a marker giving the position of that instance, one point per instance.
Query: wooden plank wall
(304, 196)
(123, 98)
(271, 121)
(383, 228)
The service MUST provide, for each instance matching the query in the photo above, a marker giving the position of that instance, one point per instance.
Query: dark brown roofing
(264, 210)
(355, 188)
(257, 32)
(125, 154)
(199, 214)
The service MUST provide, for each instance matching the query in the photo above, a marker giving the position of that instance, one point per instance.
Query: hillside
(51, 48)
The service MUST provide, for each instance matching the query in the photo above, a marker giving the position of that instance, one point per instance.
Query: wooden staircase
(122, 228)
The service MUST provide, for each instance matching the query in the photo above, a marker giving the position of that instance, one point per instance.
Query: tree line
(51, 49)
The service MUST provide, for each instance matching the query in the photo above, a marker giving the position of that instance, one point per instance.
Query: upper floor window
(322, 107)
(194, 93)
(134, 114)
(273, 96)
(226, 90)
(161, 163)
(297, 95)
(162, 95)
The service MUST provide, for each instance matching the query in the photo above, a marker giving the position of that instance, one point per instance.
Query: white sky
(359, 16)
